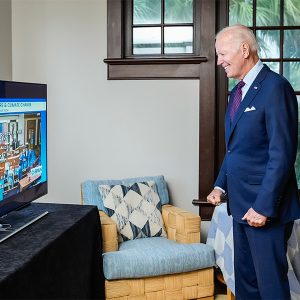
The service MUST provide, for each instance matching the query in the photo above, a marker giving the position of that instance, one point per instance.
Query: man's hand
(214, 197)
(254, 219)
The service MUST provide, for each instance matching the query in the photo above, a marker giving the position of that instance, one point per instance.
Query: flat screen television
(23, 144)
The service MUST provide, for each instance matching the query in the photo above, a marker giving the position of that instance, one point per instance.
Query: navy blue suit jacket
(261, 143)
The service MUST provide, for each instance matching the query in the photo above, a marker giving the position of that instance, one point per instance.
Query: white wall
(5, 40)
(99, 128)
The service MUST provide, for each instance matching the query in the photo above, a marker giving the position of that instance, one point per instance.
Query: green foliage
(292, 12)
(240, 11)
(147, 11)
(176, 11)
(179, 11)
(267, 14)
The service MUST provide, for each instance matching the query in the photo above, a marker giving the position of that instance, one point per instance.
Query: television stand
(58, 257)
(15, 221)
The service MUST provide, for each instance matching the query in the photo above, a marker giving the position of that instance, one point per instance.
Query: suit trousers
(260, 262)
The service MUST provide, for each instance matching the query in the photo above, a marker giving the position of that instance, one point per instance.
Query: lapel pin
(255, 87)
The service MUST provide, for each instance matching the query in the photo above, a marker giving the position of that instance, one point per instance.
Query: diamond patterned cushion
(135, 208)
(91, 195)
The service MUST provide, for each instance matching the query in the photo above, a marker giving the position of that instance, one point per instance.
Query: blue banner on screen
(23, 145)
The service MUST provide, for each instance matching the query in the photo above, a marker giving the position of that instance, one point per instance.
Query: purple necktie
(237, 99)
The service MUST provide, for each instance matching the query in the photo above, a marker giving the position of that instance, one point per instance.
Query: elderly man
(258, 169)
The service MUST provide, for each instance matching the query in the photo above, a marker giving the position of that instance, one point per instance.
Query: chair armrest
(181, 226)
(109, 233)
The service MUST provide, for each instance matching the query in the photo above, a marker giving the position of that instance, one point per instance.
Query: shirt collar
(251, 75)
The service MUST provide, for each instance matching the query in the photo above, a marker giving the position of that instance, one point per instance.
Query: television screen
(23, 144)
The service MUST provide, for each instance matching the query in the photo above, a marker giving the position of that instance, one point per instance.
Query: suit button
(229, 151)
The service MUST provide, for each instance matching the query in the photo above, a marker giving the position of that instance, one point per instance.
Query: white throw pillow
(136, 209)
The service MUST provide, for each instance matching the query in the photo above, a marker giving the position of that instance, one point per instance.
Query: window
(157, 38)
(161, 27)
(276, 24)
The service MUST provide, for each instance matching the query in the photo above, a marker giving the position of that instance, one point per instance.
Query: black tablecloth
(58, 256)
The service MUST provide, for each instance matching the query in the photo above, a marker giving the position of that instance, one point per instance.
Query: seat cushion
(156, 256)
(92, 196)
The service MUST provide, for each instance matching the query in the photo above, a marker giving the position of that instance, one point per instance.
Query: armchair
(176, 267)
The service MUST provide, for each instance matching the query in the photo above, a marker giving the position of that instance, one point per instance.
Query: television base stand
(15, 221)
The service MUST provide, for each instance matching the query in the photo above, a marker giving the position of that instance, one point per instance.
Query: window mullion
(281, 36)
(162, 26)
(254, 17)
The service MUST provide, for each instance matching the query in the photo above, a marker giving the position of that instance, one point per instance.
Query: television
(23, 145)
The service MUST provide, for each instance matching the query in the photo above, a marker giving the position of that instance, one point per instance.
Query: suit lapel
(249, 97)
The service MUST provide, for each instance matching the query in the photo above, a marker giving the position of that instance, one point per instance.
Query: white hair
(240, 34)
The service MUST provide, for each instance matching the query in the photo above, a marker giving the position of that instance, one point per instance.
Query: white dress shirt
(250, 77)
